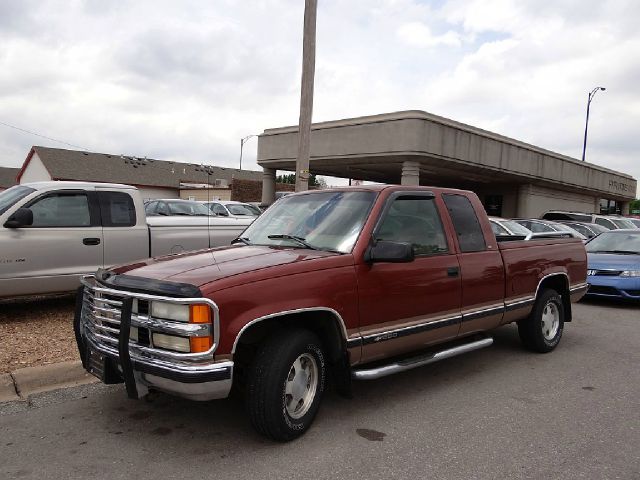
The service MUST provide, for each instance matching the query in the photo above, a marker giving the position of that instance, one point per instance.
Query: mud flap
(342, 377)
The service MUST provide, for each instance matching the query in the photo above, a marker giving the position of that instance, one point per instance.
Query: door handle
(453, 271)
(91, 241)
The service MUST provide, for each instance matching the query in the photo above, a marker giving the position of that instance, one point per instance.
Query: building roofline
(422, 115)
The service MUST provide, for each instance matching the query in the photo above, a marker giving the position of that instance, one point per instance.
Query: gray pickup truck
(52, 233)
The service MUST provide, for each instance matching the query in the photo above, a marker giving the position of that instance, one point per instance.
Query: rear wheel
(285, 384)
(542, 330)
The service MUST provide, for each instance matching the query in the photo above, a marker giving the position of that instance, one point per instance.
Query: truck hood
(204, 266)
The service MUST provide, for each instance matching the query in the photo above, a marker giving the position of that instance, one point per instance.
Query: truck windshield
(320, 220)
(10, 196)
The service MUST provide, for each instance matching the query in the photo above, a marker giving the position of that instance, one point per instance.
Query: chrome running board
(419, 361)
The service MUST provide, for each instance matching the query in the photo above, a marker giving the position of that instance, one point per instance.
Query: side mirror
(392, 252)
(22, 217)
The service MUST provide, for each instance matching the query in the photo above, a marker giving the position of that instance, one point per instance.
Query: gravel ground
(36, 331)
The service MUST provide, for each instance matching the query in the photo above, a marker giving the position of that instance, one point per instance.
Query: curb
(21, 383)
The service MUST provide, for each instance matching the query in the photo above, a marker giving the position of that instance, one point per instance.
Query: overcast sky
(186, 80)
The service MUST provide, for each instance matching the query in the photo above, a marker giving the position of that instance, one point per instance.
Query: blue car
(614, 265)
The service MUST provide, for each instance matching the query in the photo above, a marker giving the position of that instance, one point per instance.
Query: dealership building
(512, 178)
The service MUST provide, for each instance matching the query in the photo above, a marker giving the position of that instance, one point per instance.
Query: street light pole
(592, 94)
(242, 142)
(306, 94)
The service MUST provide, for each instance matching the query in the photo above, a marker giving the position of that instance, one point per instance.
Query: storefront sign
(619, 186)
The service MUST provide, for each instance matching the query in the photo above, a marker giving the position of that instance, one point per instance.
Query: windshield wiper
(619, 252)
(301, 241)
(244, 240)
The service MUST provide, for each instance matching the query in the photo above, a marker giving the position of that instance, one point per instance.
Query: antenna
(207, 174)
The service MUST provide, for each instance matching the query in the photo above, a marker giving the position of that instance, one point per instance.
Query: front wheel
(542, 330)
(285, 384)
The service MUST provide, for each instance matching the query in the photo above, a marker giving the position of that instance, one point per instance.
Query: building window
(493, 205)
(610, 207)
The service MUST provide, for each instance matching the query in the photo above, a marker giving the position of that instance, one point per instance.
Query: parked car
(614, 265)
(55, 232)
(635, 221)
(504, 227)
(589, 230)
(623, 222)
(546, 226)
(608, 221)
(175, 207)
(224, 208)
(340, 284)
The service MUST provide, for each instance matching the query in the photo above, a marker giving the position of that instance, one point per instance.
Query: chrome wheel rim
(550, 320)
(301, 385)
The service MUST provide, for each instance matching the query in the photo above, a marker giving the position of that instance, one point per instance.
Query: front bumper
(117, 359)
(604, 286)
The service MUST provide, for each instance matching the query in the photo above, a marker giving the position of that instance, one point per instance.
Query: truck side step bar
(413, 362)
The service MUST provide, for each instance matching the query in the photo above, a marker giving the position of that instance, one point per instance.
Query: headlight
(194, 313)
(630, 273)
(170, 311)
(171, 342)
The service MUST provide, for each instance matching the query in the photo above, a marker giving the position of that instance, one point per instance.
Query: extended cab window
(414, 220)
(465, 222)
(117, 209)
(61, 210)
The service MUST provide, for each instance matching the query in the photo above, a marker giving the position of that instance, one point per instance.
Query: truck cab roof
(79, 185)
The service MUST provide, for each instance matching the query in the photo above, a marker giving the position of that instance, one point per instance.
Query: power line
(42, 136)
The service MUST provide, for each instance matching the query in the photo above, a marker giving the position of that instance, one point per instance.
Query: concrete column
(268, 185)
(524, 201)
(625, 208)
(410, 173)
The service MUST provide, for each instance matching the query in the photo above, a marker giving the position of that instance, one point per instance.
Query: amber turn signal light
(200, 344)
(200, 314)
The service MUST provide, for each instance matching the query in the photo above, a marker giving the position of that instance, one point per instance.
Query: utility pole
(306, 94)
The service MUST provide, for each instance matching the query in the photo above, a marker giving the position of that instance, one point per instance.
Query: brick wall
(251, 190)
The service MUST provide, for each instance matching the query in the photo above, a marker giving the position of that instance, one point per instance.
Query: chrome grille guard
(101, 315)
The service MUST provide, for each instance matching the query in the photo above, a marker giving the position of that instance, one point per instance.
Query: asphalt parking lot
(500, 412)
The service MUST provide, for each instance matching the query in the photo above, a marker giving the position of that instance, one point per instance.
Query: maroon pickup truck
(339, 284)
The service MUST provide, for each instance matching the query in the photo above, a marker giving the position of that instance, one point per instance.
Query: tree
(635, 205)
(291, 179)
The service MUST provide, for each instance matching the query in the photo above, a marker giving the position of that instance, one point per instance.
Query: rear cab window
(117, 209)
(465, 222)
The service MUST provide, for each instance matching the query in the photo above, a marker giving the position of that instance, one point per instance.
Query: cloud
(418, 34)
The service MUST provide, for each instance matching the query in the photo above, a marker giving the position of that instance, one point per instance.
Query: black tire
(265, 396)
(534, 333)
